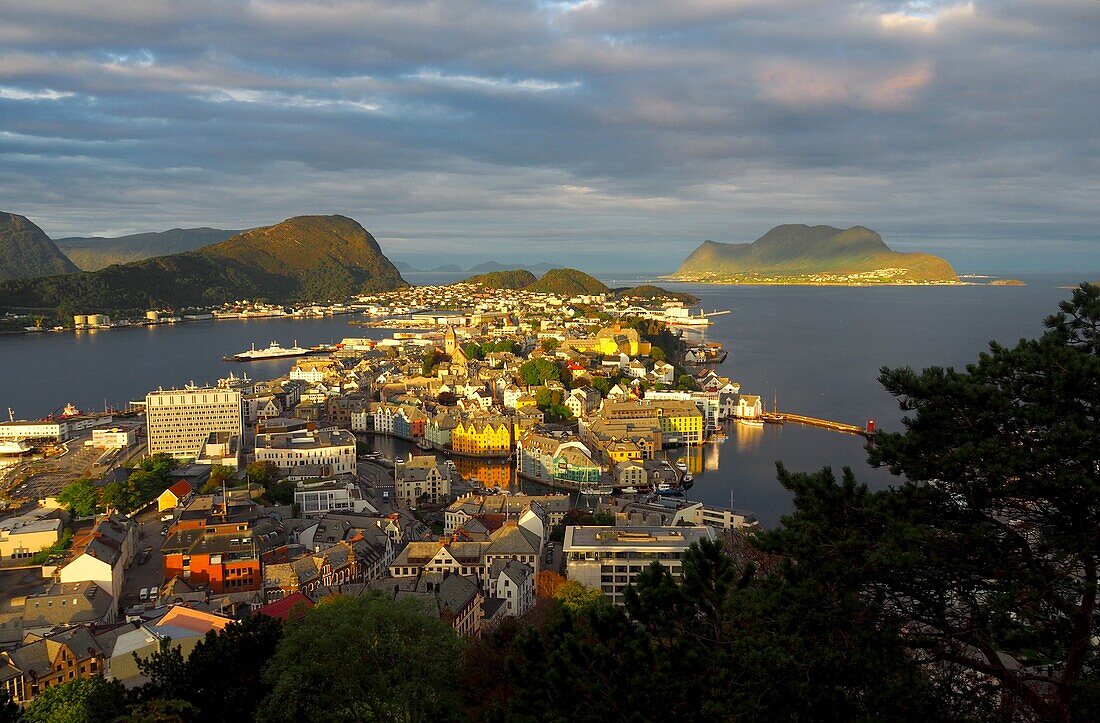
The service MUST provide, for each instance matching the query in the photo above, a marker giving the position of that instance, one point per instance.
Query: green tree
(81, 497)
(224, 669)
(549, 345)
(219, 473)
(83, 700)
(261, 473)
(577, 598)
(10, 711)
(429, 361)
(657, 354)
(364, 658)
(993, 549)
(539, 371)
(687, 382)
(166, 672)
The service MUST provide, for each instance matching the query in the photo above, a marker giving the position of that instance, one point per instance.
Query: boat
(597, 490)
(688, 479)
(629, 490)
(752, 423)
(19, 447)
(423, 443)
(774, 417)
(273, 351)
(669, 492)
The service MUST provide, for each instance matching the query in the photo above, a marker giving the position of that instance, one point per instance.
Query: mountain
(517, 279)
(540, 268)
(568, 282)
(91, 253)
(795, 253)
(26, 250)
(303, 258)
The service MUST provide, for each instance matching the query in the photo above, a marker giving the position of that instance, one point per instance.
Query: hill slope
(517, 279)
(795, 252)
(568, 282)
(303, 258)
(92, 253)
(26, 250)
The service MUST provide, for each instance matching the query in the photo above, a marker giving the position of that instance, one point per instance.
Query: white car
(144, 594)
(153, 592)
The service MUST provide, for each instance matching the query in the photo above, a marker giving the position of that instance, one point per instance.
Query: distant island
(1006, 282)
(799, 254)
(306, 258)
(570, 282)
(92, 253)
(513, 279)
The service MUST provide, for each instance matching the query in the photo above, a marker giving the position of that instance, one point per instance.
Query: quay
(779, 417)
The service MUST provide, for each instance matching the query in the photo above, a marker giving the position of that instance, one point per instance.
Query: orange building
(216, 552)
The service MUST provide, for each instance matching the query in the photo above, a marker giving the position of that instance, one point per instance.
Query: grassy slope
(25, 250)
(568, 282)
(518, 279)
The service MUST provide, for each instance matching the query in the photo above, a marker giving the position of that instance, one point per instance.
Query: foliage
(261, 473)
(82, 700)
(81, 497)
(364, 658)
(507, 279)
(568, 282)
(687, 382)
(549, 345)
(218, 473)
(577, 598)
(430, 361)
(657, 354)
(10, 711)
(43, 555)
(539, 371)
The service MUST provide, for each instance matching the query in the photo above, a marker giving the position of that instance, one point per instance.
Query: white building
(16, 431)
(331, 449)
(179, 421)
(513, 582)
(609, 558)
(318, 498)
(101, 555)
(113, 438)
(421, 476)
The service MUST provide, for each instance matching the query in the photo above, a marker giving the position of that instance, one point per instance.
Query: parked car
(167, 517)
(144, 594)
(153, 592)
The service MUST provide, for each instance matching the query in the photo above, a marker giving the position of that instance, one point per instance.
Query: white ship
(273, 351)
(9, 447)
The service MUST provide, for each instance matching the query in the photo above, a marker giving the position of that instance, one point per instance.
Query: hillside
(540, 268)
(92, 253)
(517, 279)
(796, 253)
(303, 258)
(26, 251)
(568, 282)
(651, 292)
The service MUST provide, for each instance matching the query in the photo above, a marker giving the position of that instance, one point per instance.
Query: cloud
(568, 129)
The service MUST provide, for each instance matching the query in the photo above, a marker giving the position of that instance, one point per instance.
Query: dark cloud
(562, 130)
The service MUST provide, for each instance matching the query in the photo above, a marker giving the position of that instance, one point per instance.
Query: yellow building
(485, 437)
(615, 339)
(623, 451)
(681, 422)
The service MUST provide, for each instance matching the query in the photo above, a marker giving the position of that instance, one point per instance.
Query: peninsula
(799, 254)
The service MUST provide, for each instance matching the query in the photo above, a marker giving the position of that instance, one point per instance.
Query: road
(149, 573)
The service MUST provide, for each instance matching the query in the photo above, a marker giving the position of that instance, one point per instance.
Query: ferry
(273, 351)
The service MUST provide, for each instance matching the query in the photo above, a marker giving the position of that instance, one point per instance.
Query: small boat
(688, 479)
(681, 466)
(668, 492)
(629, 490)
(663, 487)
(423, 443)
(597, 491)
(752, 423)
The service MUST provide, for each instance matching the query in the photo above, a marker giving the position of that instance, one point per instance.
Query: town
(535, 428)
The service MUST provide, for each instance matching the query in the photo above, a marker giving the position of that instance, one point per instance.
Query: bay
(817, 349)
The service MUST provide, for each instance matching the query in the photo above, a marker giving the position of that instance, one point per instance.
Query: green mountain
(26, 250)
(568, 282)
(303, 258)
(517, 279)
(92, 253)
(650, 292)
(796, 253)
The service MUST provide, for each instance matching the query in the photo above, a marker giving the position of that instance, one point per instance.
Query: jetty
(780, 417)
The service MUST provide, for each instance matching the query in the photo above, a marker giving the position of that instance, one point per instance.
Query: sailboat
(774, 417)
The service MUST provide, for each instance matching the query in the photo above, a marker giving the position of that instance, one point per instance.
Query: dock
(868, 431)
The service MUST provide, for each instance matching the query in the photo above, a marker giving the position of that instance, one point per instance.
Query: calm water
(818, 348)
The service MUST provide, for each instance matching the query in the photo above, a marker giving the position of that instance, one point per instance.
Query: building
(180, 421)
(551, 509)
(512, 541)
(100, 554)
(482, 437)
(214, 550)
(421, 479)
(221, 448)
(331, 568)
(68, 604)
(54, 431)
(331, 449)
(513, 582)
(671, 512)
(113, 438)
(25, 535)
(175, 496)
(50, 660)
(609, 558)
(318, 498)
(748, 407)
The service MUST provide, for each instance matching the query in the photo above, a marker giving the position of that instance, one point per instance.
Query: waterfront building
(438, 430)
(669, 512)
(421, 479)
(179, 421)
(54, 431)
(483, 437)
(610, 558)
(331, 449)
(749, 406)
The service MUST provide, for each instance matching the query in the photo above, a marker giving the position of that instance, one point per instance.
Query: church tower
(450, 341)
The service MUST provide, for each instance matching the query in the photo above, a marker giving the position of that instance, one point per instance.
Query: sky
(608, 134)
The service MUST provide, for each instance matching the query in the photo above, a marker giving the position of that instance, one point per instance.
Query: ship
(273, 351)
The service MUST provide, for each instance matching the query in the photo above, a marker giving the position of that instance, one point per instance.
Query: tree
(224, 669)
(10, 711)
(81, 497)
(657, 354)
(687, 382)
(539, 371)
(166, 670)
(577, 598)
(991, 545)
(261, 473)
(364, 658)
(549, 345)
(219, 473)
(430, 361)
(82, 700)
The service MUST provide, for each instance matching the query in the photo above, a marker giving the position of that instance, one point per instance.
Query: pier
(779, 417)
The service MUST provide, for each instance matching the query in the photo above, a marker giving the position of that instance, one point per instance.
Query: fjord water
(818, 349)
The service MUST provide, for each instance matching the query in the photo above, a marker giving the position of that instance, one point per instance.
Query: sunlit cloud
(9, 93)
(528, 85)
